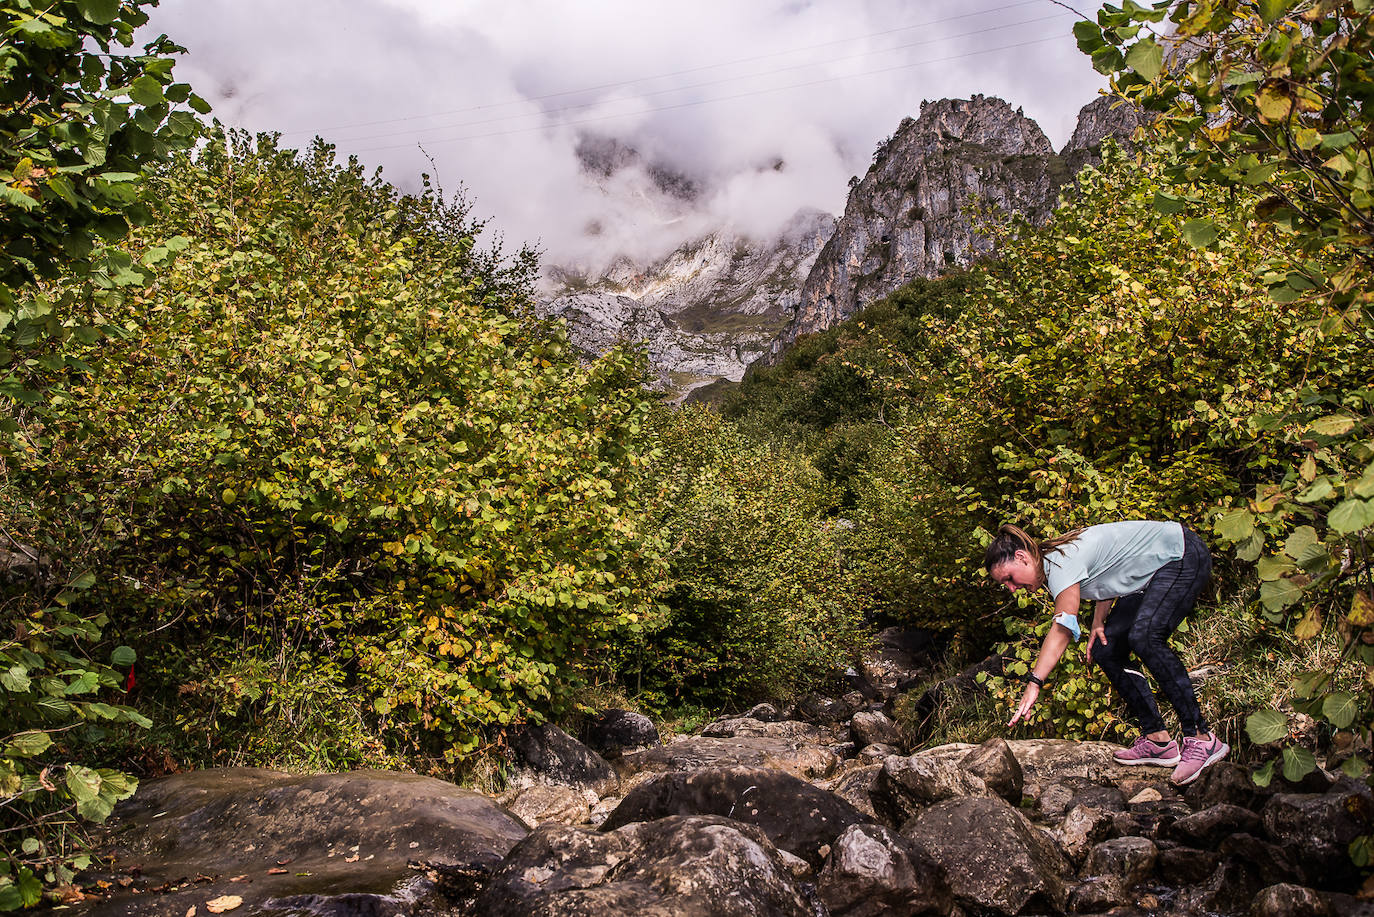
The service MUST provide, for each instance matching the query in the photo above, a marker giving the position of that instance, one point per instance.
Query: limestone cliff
(909, 217)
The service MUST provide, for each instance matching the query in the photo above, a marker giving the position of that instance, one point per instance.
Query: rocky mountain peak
(602, 157)
(907, 217)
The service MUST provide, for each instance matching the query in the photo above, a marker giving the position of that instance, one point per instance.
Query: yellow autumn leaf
(1362, 610)
(223, 903)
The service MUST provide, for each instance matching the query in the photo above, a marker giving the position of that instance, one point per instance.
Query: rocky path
(817, 812)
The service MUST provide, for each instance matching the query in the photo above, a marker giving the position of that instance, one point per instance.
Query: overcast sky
(498, 91)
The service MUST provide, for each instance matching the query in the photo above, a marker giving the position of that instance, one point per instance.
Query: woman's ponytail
(1011, 538)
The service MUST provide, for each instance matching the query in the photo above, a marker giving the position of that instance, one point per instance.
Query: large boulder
(547, 754)
(542, 803)
(873, 871)
(1082, 829)
(994, 764)
(823, 711)
(1045, 762)
(786, 730)
(1208, 827)
(996, 860)
(1130, 859)
(870, 727)
(795, 816)
(853, 787)
(613, 732)
(899, 661)
(349, 841)
(696, 866)
(906, 785)
(692, 753)
(1318, 828)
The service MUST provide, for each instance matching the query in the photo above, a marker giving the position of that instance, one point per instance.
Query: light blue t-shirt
(1111, 560)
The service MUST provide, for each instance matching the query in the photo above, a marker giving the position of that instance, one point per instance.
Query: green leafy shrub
(760, 602)
(330, 448)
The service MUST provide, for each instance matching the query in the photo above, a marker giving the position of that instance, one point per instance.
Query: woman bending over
(1143, 578)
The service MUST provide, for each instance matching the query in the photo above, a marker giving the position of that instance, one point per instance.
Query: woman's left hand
(1099, 632)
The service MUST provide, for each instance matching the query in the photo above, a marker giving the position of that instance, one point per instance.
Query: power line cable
(644, 79)
(726, 80)
(742, 95)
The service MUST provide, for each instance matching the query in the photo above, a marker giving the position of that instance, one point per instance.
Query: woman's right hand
(1028, 700)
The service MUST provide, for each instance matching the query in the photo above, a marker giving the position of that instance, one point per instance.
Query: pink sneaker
(1197, 754)
(1148, 751)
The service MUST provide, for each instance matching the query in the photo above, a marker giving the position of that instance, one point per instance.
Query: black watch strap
(1035, 679)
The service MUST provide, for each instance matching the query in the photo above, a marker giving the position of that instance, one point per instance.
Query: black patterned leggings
(1140, 624)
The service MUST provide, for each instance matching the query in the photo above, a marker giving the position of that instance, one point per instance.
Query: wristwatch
(1035, 679)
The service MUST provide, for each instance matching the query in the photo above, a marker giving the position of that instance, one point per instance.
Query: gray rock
(696, 866)
(801, 759)
(823, 711)
(1318, 829)
(1225, 782)
(1229, 890)
(1106, 798)
(1208, 827)
(542, 803)
(871, 728)
(1185, 865)
(349, 840)
(795, 816)
(994, 764)
(1054, 801)
(550, 755)
(787, 730)
(905, 786)
(613, 732)
(1285, 900)
(1098, 894)
(873, 871)
(1082, 829)
(764, 713)
(853, 787)
(900, 659)
(1272, 862)
(877, 754)
(1130, 859)
(995, 859)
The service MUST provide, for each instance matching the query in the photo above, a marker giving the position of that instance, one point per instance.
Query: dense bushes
(329, 482)
(762, 600)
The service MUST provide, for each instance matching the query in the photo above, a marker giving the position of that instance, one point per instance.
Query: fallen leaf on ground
(240, 879)
(352, 859)
(277, 871)
(223, 903)
(191, 911)
(285, 861)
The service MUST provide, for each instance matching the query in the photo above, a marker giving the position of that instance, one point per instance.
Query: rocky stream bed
(809, 812)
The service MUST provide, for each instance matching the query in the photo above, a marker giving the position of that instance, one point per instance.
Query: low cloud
(767, 107)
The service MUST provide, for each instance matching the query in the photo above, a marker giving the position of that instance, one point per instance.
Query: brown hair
(1011, 538)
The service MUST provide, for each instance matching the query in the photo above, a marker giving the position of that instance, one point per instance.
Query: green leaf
(1299, 541)
(101, 12)
(1361, 851)
(123, 657)
(1297, 763)
(96, 810)
(1279, 594)
(1340, 709)
(1265, 726)
(1236, 525)
(83, 782)
(1146, 57)
(1271, 10)
(1165, 202)
(16, 679)
(1332, 425)
(1200, 233)
(1264, 775)
(146, 90)
(1351, 515)
(28, 744)
(1088, 36)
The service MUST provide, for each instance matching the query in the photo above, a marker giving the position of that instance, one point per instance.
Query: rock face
(905, 218)
(673, 867)
(348, 839)
(796, 816)
(704, 312)
(996, 860)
